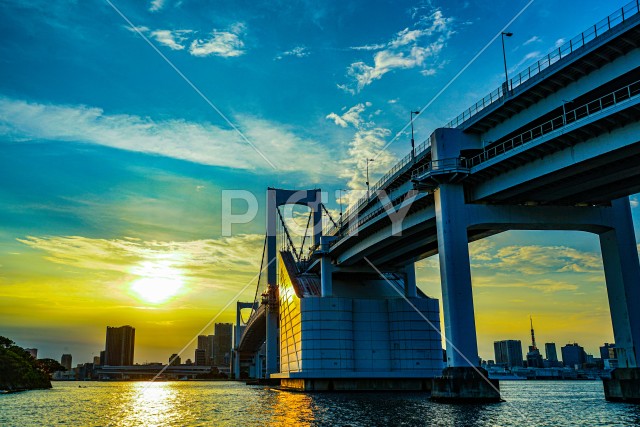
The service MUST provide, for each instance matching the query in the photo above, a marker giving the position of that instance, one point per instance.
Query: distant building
(65, 361)
(534, 358)
(573, 355)
(508, 353)
(103, 357)
(222, 344)
(119, 346)
(608, 351)
(96, 360)
(174, 360)
(207, 343)
(550, 351)
(199, 358)
(33, 352)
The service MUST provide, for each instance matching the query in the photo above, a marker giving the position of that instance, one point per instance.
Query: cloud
(213, 260)
(156, 5)
(369, 47)
(352, 116)
(298, 52)
(559, 42)
(403, 51)
(533, 259)
(173, 39)
(221, 43)
(368, 142)
(198, 142)
(533, 39)
(546, 286)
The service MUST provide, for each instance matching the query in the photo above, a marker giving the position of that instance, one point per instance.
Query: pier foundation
(623, 386)
(465, 385)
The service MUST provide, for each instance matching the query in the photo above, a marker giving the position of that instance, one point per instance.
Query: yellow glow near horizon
(159, 282)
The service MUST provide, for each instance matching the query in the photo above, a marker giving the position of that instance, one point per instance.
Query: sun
(158, 282)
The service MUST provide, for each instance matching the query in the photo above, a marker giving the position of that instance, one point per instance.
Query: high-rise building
(119, 346)
(96, 360)
(608, 351)
(199, 357)
(222, 344)
(572, 355)
(174, 360)
(508, 353)
(207, 343)
(551, 352)
(65, 361)
(33, 352)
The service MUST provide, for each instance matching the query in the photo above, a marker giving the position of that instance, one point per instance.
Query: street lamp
(341, 190)
(504, 57)
(368, 160)
(413, 144)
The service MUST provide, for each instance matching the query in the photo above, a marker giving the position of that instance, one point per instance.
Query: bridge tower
(277, 197)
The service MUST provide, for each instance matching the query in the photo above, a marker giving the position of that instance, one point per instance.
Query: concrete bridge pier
(622, 274)
(462, 380)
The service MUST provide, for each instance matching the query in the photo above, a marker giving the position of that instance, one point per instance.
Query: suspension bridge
(557, 147)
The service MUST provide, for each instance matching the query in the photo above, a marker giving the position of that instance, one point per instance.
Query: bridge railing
(566, 118)
(440, 166)
(552, 57)
(353, 210)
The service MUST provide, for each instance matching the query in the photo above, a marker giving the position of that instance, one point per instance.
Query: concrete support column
(326, 269)
(258, 365)
(326, 282)
(455, 276)
(622, 274)
(272, 340)
(410, 287)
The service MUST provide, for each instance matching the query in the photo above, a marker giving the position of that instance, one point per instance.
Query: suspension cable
(286, 232)
(329, 215)
(255, 297)
(305, 232)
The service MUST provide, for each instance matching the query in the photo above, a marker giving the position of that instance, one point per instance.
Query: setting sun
(159, 282)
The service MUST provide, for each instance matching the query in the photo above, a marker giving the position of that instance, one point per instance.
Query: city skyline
(113, 167)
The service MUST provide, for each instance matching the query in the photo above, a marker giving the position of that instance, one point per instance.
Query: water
(567, 403)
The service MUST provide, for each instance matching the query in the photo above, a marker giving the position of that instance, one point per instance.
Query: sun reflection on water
(152, 404)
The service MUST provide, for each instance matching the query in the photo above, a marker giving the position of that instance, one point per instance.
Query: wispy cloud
(533, 39)
(198, 142)
(367, 143)
(297, 52)
(534, 259)
(220, 43)
(409, 48)
(214, 260)
(173, 39)
(156, 5)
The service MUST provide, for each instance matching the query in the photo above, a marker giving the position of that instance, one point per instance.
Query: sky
(123, 124)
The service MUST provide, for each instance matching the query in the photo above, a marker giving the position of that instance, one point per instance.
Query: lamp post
(413, 144)
(368, 160)
(504, 57)
(340, 192)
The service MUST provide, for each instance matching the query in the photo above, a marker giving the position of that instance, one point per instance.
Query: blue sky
(101, 139)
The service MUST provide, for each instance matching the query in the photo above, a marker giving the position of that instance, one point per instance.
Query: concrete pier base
(624, 385)
(356, 384)
(465, 385)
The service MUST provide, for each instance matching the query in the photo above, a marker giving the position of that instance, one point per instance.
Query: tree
(5, 342)
(49, 366)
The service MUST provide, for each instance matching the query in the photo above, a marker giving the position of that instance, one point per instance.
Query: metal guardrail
(331, 230)
(554, 56)
(568, 117)
(452, 164)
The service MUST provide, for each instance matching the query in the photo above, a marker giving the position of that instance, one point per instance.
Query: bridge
(557, 147)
